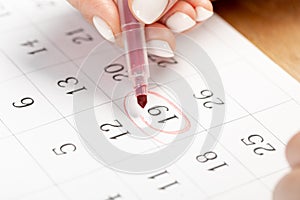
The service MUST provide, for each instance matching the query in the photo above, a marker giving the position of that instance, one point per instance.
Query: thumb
(102, 13)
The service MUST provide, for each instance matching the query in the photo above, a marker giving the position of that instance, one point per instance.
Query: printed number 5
(64, 149)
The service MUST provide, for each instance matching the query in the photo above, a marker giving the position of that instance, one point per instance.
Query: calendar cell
(170, 183)
(59, 150)
(254, 146)
(250, 89)
(23, 107)
(253, 190)
(7, 70)
(61, 84)
(102, 184)
(19, 173)
(47, 194)
(282, 120)
(272, 180)
(220, 53)
(75, 37)
(214, 169)
(163, 118)
(43, 10)
(169, 69)
(208, 102)
(10, 18)
(111, 123)
(30, 50)
(4, 132)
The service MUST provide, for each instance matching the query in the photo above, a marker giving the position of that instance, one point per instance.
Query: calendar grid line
(265, 129)
(254, 66)
(246, 183)
(252, 115)
(196, 133)
(35, 160)
(28, 152)
(248, 115)
(96, 86)
(193, 181)
(97, 106)
(238, 160)
(296, 102)
(48, 123)
(231, 189)
(67, 120)
(49, 100)
(272, 81)
(58, 119)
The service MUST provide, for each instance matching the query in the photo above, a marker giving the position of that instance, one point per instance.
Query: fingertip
(203, 8)
(160, 40)
(103, 14)
(181, 17)
(148, 11)
(292, 151)
(103, 28)
(288, 187)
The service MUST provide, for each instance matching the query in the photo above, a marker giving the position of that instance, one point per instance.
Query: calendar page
(54, 91)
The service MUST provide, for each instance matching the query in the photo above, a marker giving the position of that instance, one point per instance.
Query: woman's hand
(167, 15)
(289, 186)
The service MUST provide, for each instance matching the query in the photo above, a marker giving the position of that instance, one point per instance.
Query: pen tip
(142, 100)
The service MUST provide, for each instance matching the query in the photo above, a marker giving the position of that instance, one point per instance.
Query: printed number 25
(256, 140)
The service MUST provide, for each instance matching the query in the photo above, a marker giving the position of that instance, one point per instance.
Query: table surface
(272, 25)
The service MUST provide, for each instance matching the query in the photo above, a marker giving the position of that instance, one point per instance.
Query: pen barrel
(137, 60)
(135, 52)
(126, 16)
(133, 34)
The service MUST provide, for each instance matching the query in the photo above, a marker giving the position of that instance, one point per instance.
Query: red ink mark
(142, 100)
(186, 128)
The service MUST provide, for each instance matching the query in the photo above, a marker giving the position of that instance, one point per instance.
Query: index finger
(150, 11)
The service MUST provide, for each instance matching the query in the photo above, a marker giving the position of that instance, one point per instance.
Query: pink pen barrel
(136, 55)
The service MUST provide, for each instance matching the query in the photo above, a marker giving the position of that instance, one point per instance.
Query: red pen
(133, 34)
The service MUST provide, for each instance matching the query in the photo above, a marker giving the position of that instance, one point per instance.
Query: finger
(149, 11)
(181, 17)
(160, 40)
(288, 187)
(204, 9)
(102, 13)
(292, 151)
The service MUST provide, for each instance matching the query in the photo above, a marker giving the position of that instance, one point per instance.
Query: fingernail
(160, 48)
(202, 14)
(180, 22)
(149, 10)
(104, 29)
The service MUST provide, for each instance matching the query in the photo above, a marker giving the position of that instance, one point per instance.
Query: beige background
(272, 25)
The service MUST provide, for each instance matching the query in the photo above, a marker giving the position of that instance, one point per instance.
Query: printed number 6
(27, 101)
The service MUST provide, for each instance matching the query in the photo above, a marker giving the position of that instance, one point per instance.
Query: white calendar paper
(43, 44)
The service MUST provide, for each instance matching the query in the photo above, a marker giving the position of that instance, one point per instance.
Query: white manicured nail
(160, 48)
(203, 14)
(180, 22)
(104, 29)
(149, 10)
